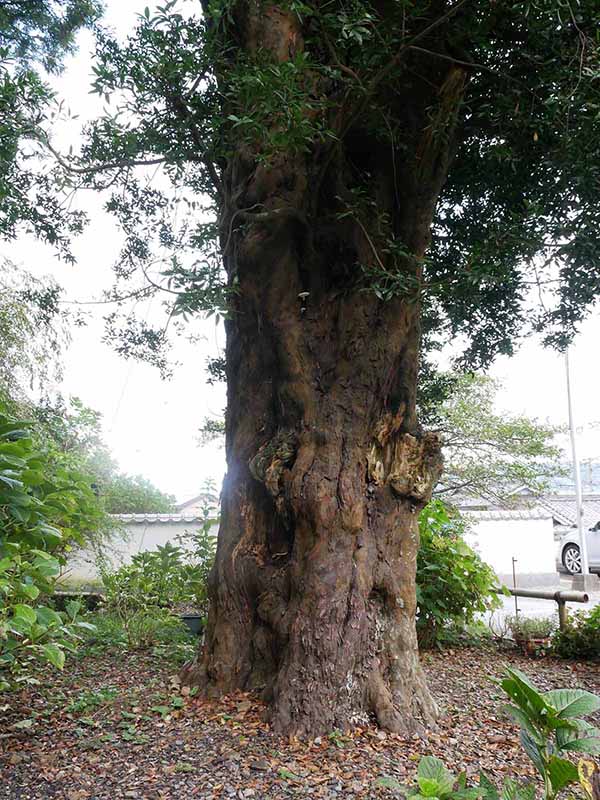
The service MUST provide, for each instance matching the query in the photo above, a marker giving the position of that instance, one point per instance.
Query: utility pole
(585, 566)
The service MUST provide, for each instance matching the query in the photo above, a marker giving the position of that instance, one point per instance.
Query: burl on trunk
(313, 591)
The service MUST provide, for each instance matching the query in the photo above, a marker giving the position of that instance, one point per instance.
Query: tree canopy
(514, 243)
(35, 37)
(488, 453)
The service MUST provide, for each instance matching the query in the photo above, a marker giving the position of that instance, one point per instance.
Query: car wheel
(572, 559)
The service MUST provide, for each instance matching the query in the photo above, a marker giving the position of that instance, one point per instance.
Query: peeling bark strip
(313, 591)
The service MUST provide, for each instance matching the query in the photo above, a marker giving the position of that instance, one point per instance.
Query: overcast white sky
(151, 425)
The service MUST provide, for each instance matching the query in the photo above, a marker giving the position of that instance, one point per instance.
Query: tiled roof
(507, 513)
(150, 518)
(564, 508)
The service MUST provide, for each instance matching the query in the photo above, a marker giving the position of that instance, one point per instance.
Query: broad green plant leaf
(513, 790)
(534, 751)
(518, 687)
(561, 773)
(489, 790)
(24, 613)
(571, 703)
(432, 772)
(54, 655)
(388, 782)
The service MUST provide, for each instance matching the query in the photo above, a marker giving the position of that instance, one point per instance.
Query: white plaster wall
(136, 538)
(530, 541)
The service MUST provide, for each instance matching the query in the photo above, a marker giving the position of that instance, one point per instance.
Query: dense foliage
(581, 637)
(519, 210)
(130, 494)
(453, 583)
(170, 577)
(153, 628)
(46, 508)
(161, 578)
(35, 36)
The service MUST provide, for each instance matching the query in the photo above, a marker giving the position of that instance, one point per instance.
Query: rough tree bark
(313, 591)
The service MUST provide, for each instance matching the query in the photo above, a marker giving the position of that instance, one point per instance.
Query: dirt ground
(117, 727)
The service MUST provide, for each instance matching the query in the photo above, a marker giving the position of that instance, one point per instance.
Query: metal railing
(560, 598)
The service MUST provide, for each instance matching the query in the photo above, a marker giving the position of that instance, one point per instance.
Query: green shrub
(453, 583)
(157, 629)
(523, 628)
(581, 637)
(201, 545)
(159, 578)
(172, 577)
(44, 509)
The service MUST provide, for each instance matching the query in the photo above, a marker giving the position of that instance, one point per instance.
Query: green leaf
(534, 751)
(513, 790)
(432, 770)
(23, 724)
(48, 616)
(584, 745)
(54, 655)
(561, 773)
(523, 692)
(73, 607)
(24, 613)
(30, 590)
(6, 564)
(489, 790)
(429, 787)
(87, 626)
(524, 721)
(572, 702)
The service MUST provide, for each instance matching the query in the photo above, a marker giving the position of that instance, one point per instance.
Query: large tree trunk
(313, 592)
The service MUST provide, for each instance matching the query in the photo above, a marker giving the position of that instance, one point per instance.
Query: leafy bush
(531, 627)
(145, 627)
(581, 637)
(157, 578)
(453, 583)
(201, 545)
(168, 577)
(44, 508)
(173, 578)
(157, 629)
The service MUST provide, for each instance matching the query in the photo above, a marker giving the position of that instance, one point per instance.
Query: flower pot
(194, 623)
(538, 646)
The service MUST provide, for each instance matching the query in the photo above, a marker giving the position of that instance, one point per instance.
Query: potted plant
(532, 634)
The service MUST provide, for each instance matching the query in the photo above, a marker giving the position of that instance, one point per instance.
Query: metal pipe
(563, 618)
(514, 561)
(558, 596)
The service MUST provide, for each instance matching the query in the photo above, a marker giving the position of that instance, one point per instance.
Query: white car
(568, 557)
